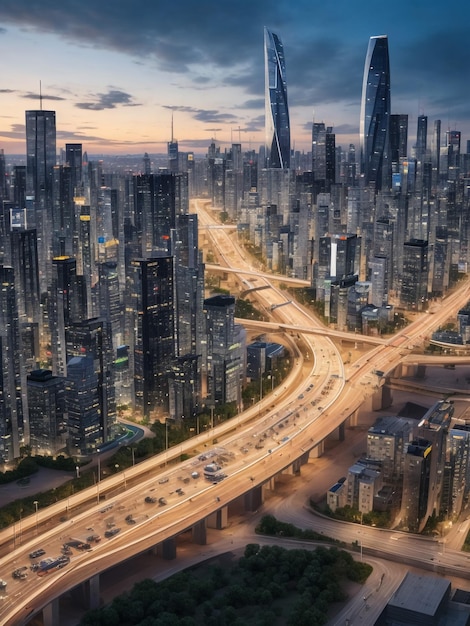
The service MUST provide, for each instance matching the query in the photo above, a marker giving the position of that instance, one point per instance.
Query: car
(21, 573)
(111, 532)
(37, 553)
(93, 538)
(161, 501)
(150, 500)
(130, 519)
(195, 474)
(163, 480)
(179, 491)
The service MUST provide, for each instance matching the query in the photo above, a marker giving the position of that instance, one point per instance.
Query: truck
(51, 564)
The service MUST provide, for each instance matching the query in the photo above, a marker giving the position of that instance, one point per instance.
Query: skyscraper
(277, 110)
(11, 403)
(40, 160)
(421, 137)
(375, 114)
(154, 332)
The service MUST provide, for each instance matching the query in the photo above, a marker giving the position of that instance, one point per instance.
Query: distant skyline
(115, 72)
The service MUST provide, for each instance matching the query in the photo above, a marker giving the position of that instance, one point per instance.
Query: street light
(36, 503)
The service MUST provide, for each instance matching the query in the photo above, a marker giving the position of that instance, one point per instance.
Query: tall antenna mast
(172, 127)
(40, 96)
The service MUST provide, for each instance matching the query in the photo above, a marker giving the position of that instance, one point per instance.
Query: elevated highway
(256, 445)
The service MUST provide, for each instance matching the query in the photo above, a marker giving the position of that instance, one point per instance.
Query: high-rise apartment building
(276, 105)
(375, 114)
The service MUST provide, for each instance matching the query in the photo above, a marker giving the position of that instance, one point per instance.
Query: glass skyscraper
(277, 110)
(375, 114)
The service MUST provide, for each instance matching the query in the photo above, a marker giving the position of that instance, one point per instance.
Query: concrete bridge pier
(351, 420)
(339, 433)
(218, 519)
(254, 498)
(167, 549)
(199, 533)
(50, 613)
(382, 398)
(94, 592)
(317, 451)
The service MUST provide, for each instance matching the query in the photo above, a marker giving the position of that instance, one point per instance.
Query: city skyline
(116, 75)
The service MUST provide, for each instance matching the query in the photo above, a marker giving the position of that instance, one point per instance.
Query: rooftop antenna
(171, 126)
(40, 96)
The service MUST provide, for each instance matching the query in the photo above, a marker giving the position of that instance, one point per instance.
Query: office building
(64, 309)
(47, 412)
(92, 337)
(375, 115)
(154, 335)
(73, 159)
(421, 138)
(12, 410)
(225, 351)
(414, 279)
(323, 158)
(416, 485)
(40, 160)
(84, 422)
(433, 428)
(276, 105)
(154, 212)
(398, 139)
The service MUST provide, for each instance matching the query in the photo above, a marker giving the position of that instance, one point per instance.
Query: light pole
(98, 482)
(77, 469)
(36, 503)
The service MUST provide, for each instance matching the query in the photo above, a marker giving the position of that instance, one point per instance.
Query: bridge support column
(421, 371)
(254, 499)
(304, 458)
(199, 533)
(50, 613)
(218, 519)
(94, 591)
(351, 420)
(317, 451)
(382, 399)
(167, 549)
(337, 434)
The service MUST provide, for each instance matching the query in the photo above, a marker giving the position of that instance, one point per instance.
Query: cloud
(108, 100)
(220, 44)
(30, 95)
(208, 116)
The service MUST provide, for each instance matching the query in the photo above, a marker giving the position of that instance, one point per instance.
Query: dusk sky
(115, 70)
